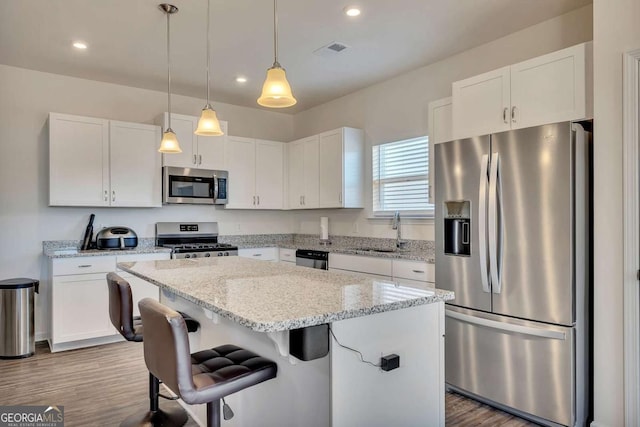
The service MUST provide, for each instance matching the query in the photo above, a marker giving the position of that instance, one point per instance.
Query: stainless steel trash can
(16, 318)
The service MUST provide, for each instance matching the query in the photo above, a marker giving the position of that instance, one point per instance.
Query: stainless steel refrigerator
(512, 242)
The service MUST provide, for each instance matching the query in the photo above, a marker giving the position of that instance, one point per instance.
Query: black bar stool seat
(202, 377)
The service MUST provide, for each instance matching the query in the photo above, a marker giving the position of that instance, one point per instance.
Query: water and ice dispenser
(457, 228)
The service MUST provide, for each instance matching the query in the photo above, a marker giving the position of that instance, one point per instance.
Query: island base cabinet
(411, 395)
(336, 390)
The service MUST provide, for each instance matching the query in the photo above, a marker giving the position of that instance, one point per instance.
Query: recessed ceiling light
(80, 45)
(351, 11)
(241, 79)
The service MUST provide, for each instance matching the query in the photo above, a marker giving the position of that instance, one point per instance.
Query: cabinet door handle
(84, 266)
(257, 254)
(340, 197)
(300, 200)
(195, 160)
(504, 114)
(254, 200)
(113, 196)
(199, 159)
(106, 195)
(418, 271)
(304, 202)
(513, 114)
(258, 197)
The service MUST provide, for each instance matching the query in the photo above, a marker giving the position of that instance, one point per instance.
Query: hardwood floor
(89, 384)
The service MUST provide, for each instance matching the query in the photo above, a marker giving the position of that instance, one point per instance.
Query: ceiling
(127, 40)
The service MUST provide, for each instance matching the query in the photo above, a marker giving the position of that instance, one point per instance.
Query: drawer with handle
(263, 254)
(414, 270)
(288, 255)
(83, 265)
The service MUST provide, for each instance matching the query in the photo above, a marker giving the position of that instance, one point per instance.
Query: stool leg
(213, 413)
(154, 390)
(156, 417)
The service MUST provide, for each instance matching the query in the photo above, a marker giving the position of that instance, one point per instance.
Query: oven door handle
(215, 188)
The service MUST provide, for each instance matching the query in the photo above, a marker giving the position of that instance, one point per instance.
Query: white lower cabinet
(80, 299)
(262, 254)
(287, 255)
(366, 265)
(418, 271)
(405, 271)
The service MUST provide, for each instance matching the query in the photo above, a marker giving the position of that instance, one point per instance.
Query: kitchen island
(255, 304)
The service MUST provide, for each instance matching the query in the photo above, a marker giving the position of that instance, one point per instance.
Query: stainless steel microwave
(194, 186)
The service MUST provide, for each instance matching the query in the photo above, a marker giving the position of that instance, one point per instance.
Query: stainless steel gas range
(192, 240)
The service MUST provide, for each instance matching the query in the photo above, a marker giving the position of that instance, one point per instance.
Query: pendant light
(276, 92)
(169, 143)
(208, 125)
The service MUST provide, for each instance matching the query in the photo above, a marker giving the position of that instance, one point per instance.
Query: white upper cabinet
(481, 104)
(269, 174)
(440, 121)
(547, 89)
(135, 172)
(440, 130)
(551, 88)
(201, 152)
(256, 173)
(78, 161)
(96, 162)
(341, 168)
(304, 173)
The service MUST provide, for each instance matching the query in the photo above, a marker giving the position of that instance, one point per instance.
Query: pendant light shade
(276, 91)
(169, 143)
(208, 125)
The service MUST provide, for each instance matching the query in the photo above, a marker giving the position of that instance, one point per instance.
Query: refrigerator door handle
(495, 225)
(507, 327)
(482, 222)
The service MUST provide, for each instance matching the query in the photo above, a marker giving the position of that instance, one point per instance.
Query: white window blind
(401, 178)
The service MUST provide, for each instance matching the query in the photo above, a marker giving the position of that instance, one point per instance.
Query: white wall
(26, 98)
(397, 108)
(616, 30)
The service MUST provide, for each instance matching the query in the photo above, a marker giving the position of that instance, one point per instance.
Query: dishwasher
(312, 258)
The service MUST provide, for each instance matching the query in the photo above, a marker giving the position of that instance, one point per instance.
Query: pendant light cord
(275, 34)
(169, 67)
(208, 48)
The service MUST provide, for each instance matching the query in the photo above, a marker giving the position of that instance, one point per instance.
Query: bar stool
(130, 327)
(202, 377)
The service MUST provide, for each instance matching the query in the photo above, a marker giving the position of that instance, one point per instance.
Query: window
(401, 178)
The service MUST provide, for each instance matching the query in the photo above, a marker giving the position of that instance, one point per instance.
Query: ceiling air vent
(331, 49)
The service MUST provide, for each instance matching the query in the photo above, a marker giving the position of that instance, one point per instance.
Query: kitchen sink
(382, 250)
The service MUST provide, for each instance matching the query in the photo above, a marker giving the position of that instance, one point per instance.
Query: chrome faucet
(400, 244)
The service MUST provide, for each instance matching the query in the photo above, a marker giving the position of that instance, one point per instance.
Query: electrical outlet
(238, 227)
(356, 228)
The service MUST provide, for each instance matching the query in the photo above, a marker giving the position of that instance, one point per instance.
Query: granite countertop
(417, 251)
(70, 249)
(270, 297)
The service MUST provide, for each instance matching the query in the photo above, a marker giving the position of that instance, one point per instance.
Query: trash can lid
(18, 283)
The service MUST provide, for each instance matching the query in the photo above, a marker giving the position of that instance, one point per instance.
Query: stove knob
(220, 254)
(226, 254)
(194, 256)
(207, 255)
(187, 256)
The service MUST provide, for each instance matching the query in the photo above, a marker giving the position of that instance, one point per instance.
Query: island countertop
(270, 297)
